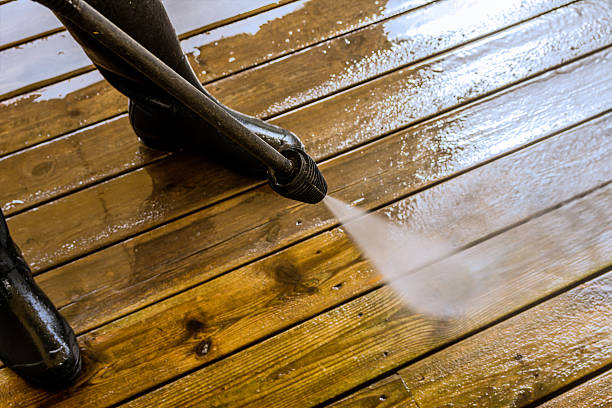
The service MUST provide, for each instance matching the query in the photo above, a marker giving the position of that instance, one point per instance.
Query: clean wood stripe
(145, 198)
(348, 345)
(121, 278)
(595, 393)
(525, 358)
(82, 100)
(72, 60)
(389, 392)
(228, 313)
(38, 180)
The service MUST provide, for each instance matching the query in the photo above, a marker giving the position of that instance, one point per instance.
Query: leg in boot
(159, 120)
(35, 340)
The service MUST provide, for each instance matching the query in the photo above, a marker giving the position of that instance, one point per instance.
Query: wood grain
(226, 314)
(594, 393)
(66, 106)
(135, 273)
(389, 392)
(523, 359)
(140, 200)
(335, 351)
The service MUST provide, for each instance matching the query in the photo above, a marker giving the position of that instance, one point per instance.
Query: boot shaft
(148, 23)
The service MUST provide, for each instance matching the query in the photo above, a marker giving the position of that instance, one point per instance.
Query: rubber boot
(159, 120)
(35, 340)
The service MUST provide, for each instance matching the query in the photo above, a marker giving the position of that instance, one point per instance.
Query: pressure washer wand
(291, 173)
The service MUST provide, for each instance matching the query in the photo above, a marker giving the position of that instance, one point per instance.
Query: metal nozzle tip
(305, 183)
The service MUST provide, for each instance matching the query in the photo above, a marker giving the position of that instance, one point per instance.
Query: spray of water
(418, 268)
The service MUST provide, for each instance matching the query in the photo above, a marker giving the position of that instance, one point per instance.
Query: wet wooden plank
(523, 359)
(24, 20)
(28, 75)
(41, 180)
(265, 297)
(594, 393)
(371, 52)
(228, 313)
(57, 56)
(389, 392)
(65, 106)
(155, 194)
(139, 271)
(330, 353)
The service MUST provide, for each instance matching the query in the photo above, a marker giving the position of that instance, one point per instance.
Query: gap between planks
(147, 338)
(297, 119)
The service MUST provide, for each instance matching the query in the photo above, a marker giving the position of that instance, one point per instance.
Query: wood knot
(202, 348)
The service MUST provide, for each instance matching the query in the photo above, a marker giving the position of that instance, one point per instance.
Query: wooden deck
(190, 285)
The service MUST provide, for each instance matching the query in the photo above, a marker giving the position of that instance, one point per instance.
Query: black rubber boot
(159, 120)
(35, 340)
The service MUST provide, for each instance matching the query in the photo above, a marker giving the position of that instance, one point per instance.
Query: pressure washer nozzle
(305, 183)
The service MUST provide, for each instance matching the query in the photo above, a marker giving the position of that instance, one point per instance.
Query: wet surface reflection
(296, 282)
(363, 55)
(387, 110)
(372, 179)
(401, 98)
(57, 55)
(24, 19)
(218, 45)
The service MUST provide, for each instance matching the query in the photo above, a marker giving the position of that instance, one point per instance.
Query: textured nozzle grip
(305, 184)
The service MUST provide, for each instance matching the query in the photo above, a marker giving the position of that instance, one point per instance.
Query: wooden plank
(594, 393)
(335, 351)
(57, 56)
(24, 20)
(86, 99)
(523, 359)
(371, 52)
(389, 392)
(145, 198)
(72, 168)
(139, 271)
(228, 313)
(72, 60)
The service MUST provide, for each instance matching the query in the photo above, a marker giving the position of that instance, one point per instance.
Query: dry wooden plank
(72, 60)
(594, 393)
(145, 198)
(523, 359)
(333, 352)
(135, 273)
(121, 152)
(225, 314)
(389, 392)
